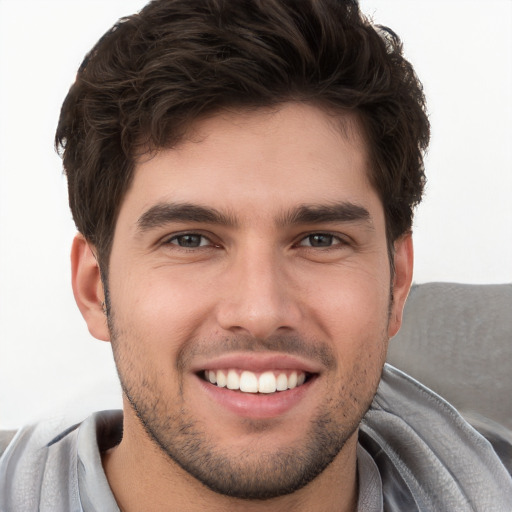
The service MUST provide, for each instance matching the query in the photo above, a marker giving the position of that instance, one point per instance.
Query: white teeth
(267, 383)
(233, 380)
(221, 379)
(282, 382)
(249, 382)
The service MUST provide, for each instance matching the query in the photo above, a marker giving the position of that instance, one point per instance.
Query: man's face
(253, 254)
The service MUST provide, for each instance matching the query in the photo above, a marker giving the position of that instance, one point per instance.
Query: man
(243, 176)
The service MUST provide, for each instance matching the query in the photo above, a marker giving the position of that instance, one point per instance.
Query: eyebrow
(336, 212)
(165, 213)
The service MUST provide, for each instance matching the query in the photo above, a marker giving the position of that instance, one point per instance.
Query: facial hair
(254, 472)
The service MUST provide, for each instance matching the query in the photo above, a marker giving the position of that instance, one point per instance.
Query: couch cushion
(457, 340)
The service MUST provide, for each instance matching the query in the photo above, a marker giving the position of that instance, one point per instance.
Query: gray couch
(457, 340)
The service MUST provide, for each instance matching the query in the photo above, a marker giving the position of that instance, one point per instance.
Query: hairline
(348, 123)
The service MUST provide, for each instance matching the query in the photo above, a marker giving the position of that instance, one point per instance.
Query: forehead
(264, 159)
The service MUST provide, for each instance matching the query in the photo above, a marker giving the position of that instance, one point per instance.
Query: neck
(142, 477)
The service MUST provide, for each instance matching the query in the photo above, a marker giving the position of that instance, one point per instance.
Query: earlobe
(88, 288)
(403, 261)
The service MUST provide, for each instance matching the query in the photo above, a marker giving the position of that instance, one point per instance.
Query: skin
(259, 288)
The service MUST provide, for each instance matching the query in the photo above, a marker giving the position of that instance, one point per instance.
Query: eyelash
(336, 241)
(170, 240)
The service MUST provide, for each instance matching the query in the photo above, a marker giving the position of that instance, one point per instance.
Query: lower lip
(257, 405)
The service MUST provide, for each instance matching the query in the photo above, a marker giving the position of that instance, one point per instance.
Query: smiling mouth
(250, 382)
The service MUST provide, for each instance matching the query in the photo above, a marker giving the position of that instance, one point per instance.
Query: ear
(88, 288)
(403, 261)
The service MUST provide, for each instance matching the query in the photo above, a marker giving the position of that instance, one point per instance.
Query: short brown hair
(156, 72)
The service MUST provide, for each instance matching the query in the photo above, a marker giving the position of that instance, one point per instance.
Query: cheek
(353, 312)
(153, 320)
(157, 311)
(352, 302)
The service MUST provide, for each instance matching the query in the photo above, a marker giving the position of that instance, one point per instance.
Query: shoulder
(47, 466)
(422, 444)
(35, 453)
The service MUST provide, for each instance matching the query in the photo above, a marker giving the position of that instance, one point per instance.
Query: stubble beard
(250, 474)
(253, 473)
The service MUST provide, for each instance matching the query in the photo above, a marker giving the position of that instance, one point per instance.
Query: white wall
(461, 49)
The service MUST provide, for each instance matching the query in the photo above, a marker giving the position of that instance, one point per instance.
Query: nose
(259, 299)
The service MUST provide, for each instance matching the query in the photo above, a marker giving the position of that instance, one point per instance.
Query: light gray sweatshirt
(415, 453)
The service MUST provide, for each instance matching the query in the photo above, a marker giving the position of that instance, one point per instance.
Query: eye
(320, 240)
(189, 241)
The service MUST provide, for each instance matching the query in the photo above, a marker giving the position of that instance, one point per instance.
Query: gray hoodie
(415, 453)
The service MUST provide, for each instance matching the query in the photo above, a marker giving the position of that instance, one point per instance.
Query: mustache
(277, 343)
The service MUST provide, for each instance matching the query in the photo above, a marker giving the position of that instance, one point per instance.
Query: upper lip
(258, 362)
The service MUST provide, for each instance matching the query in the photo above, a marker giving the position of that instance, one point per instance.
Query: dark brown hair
(156, 72)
